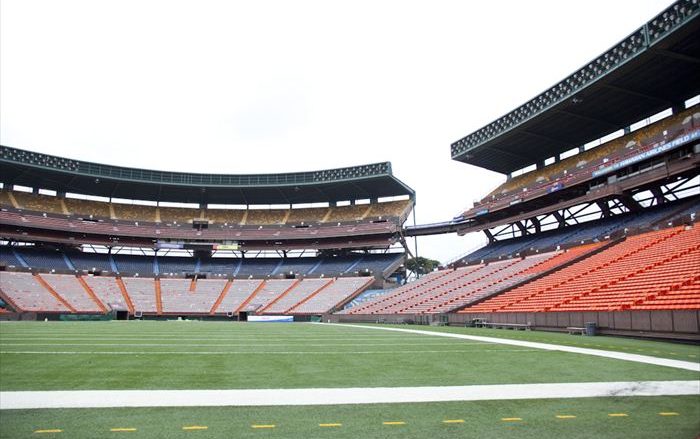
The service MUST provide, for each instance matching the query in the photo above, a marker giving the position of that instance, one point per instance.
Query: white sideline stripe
(447, 351)
(372, 395)
(687, 365)
(252, 345)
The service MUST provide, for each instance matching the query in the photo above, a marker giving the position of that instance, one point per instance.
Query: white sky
(279, 86)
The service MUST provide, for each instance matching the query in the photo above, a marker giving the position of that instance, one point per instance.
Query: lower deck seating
(447, 290)
(240, 291)
(269, 292)
(331, 296)
(639, 270)
(107, 291)
(142, 292)
(26, 293)
(70, 288)
(177, 297)
(300, 292)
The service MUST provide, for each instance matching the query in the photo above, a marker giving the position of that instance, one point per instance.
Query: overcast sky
(279, 86)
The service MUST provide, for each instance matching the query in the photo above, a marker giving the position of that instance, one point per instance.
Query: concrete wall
(676, 324)
(666, 324)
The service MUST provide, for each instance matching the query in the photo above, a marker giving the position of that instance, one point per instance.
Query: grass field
(197, 355)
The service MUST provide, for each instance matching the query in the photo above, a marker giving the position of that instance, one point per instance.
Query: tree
(421, 265)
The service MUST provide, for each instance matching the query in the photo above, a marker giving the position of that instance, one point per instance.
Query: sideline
(677, 364)
(372, 395)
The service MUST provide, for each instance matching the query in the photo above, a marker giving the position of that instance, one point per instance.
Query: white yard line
(373, 395)
(325, 353)
(175, 343)
(687, 365)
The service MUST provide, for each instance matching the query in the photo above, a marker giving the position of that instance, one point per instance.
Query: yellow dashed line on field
(394, 423)
(263, 426)
(453, 421)
(53, 430)
(617, 415)
(668, 414)
(195, 427)
(692, 356)
(511, 419)
(566, 417)
(330, 425)
(122, 430)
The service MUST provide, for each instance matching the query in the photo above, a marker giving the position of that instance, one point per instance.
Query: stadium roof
(656, 67)
(36, 170)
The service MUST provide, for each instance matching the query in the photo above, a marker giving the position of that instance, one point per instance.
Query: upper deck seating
(231, 217)
(87, 208)
(266, 216)
(38, 202)
(134, 212)
(178, 215)
(348, 213)
(582, 164)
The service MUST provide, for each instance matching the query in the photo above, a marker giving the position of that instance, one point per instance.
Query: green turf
(481, 420)
(198, 355)
(672, 350)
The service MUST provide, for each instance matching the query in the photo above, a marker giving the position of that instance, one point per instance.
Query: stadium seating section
(177, 215)
(442, 291)
(64, 293)
(51, 259)
(579, 167)
(654, 270)
(586, 232)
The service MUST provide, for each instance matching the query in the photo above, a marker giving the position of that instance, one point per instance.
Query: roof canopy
(656, 67)
(26, 168)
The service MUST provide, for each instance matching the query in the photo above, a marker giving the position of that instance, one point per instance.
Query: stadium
(163, 304)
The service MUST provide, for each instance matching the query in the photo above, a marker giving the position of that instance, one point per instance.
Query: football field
(277, 359)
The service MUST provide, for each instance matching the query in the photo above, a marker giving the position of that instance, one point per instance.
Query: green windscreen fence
(85, 317)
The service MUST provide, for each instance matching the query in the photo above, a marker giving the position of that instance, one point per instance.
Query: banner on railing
(660, 149)
(270, 318)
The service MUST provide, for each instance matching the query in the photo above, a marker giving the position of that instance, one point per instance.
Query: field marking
(263, 426)
(669, 414)
(53, 430)
(618, 415)
(331, 396)
(566, 417)
(511, 419)
(252, 345)
(195, 427)
(326, 353)
(122, 430)
(677, 364)
(331, 425)
(453, 421)
(393, 423)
